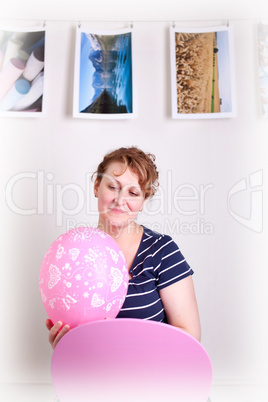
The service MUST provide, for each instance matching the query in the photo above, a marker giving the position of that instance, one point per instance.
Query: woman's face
(120, 196)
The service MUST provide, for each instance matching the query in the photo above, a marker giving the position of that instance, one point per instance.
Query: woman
(160, 280)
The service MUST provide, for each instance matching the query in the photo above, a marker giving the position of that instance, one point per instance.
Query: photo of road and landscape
(203, 78)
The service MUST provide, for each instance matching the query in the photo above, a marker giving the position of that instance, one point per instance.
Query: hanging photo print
(263, 66)
(202, 73)
(103, 81)
(22, 63)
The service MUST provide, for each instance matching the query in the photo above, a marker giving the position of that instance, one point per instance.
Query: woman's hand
(56, 332)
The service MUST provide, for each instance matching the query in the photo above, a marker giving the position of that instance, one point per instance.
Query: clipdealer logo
(182, 207)
(185, 200)
(251, 189)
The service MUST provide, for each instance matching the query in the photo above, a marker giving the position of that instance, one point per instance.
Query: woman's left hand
(56, 332)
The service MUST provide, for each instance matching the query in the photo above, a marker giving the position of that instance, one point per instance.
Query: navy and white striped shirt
(158, 263)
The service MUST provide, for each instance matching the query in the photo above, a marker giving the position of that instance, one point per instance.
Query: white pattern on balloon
(54, 276)
(67, 266)
(114, 255)
(43, 296)
(117, 278)
(68, 300)
(74, 253)
(60, 252)
(91, 256)
(97, 300)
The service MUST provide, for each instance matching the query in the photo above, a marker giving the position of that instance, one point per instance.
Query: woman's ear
(96, 188)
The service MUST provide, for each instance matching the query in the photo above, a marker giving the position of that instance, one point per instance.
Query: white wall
(230, 263)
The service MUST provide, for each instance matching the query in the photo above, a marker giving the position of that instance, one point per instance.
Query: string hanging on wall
(179, 22)
(217, 21)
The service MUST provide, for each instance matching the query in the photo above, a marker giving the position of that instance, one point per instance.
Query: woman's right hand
(56, 332)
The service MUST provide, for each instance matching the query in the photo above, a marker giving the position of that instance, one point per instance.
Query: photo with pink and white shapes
(22, 71)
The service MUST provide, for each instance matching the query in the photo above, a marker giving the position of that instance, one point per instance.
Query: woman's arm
(56, 332)
(180, 305)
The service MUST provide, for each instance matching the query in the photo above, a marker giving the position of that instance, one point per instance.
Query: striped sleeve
(170, 264)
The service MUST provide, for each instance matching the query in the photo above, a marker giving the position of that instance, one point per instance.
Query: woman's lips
(117, 211)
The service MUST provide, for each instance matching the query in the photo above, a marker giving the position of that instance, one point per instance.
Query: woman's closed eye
(113, 187)
(134, 194)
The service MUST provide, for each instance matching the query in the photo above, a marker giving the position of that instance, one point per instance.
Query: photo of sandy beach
(202, 81)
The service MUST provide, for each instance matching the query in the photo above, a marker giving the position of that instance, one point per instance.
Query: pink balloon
(83, 277)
